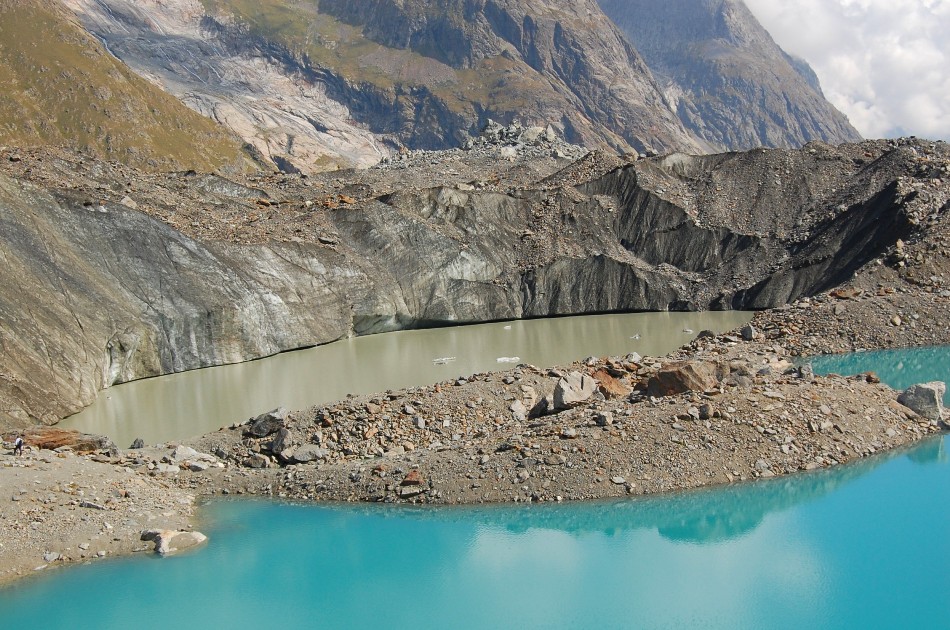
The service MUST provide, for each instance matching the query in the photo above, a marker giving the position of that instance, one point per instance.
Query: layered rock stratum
(134, 275)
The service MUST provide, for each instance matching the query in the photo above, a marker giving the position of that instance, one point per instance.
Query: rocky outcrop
(728, 81)
(317, 87)
(119, 294)
(356, 85)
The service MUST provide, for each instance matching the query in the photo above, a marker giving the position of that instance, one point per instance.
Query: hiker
(18, 446)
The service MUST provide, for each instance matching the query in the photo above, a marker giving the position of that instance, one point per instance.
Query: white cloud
(884, 63)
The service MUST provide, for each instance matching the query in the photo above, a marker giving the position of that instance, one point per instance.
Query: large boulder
(572, 390)
(52, 438)
(610, 386)
(267, 423)
(677, 378)
(169, 541)
(282, 441)
(308, 453)
(925, 399)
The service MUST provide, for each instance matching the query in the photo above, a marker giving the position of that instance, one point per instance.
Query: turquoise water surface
(898, 368)
(859, 546)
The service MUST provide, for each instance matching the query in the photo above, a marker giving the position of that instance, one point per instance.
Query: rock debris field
(723, 409)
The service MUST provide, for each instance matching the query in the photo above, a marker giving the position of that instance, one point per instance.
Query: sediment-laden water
(183, 405)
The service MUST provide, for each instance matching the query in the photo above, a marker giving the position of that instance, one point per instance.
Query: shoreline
(722, 409)
(610, 445)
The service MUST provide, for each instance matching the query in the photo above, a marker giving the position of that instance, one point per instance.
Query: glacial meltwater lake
(858, 546)
(183, 405)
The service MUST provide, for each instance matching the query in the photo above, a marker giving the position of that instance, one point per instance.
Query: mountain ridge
(735, 87)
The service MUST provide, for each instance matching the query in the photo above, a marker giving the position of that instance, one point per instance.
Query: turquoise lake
(859, 546)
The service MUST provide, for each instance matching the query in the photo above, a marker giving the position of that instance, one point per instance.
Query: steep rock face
(118, 294)
(569, 47)
(292, 122)
(61, 87)
(731, 83)
(337, 84)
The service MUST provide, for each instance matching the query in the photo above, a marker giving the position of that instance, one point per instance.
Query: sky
(884, 63)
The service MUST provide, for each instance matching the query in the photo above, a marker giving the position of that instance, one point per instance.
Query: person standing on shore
(18, 446)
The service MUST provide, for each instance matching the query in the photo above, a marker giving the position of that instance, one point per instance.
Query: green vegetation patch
(59, 86)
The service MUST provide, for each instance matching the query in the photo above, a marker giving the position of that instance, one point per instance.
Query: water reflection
(701, 516)
(898, 368)
(828, 549)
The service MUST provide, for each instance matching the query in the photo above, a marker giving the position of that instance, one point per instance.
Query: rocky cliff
(727, 79)
(133, 275)
(318, 86)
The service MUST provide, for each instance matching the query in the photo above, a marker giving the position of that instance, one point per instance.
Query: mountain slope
(60, 86)
(732, 84)
(569, 49)
(320, 85)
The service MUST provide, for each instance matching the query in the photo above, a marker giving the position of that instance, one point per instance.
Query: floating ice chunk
(635, 336)
(508, 359)
(688, 331)
(443, 360)
(508, 327)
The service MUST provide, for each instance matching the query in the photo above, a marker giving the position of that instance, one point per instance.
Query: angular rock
(604, 418)
(518, 411)
(676, 378)
(267, 423)
(414, 478)
(747, 332)
(182, 453)
(309, 453)
(169, 541)
(281, 442)
(611, 387)
(573, 389)
(256, 460)
(137, 443)
(925, 399)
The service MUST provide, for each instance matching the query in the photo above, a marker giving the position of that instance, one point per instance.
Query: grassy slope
(58, 85)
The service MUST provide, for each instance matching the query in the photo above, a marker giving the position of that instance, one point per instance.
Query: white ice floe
(635, 336)
(508, 327)
(508, 359)
(443, 360)
(688, 331)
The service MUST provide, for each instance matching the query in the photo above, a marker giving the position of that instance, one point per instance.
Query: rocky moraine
(843, 248)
